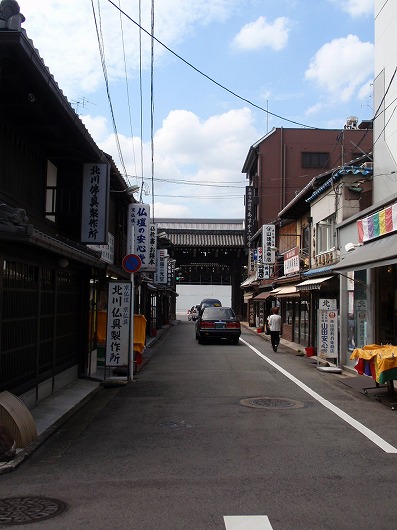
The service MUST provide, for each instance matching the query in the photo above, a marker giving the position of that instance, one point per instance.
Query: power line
(105, 74)
(207, 76)
(128, 92)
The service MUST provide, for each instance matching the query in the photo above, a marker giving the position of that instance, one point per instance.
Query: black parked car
(209, 302)
(218, 323)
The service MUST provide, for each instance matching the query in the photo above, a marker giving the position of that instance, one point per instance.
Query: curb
(26, 452)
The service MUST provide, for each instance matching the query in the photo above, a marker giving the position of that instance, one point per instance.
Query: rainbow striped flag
(377, 224)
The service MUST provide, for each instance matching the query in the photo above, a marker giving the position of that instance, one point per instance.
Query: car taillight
(204, 324)
(234, 325)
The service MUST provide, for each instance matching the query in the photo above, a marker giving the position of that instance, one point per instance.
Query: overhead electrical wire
(98, 29)
(152, 103)
(154, 39)
(207, 76)
(141, 97)
(128, 92)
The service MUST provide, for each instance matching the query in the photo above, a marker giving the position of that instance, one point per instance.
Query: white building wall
(190, 295)
(385, 102)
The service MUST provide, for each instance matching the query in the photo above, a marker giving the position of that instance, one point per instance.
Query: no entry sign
(132, 263)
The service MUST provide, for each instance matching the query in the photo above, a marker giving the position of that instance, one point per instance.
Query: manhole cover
(25, 510)
(271, 403)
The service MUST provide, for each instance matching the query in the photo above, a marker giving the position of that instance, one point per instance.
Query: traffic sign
(132, 263)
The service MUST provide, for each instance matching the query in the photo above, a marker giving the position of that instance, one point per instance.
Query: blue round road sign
(132, 263)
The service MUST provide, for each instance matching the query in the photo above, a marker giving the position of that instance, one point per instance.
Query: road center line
(327, 404)
(247, 522)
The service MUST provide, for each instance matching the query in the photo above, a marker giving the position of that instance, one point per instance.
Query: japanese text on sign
(268, 244)
(118, 323)
(94, 219)
(327, 339)
(161, 270)
(249, 215)
(291, 261)
(139, 222)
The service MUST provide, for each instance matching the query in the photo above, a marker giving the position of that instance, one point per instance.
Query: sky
(178, 112)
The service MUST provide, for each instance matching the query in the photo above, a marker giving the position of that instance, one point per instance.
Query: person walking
(274, 321)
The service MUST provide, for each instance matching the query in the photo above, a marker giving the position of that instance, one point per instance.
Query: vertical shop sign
(360, 310)
(291, 261)
(161, 269)
(94, 215)
(118, 323)
(151, 264)
(259, 264)
(268, 244)
(170, 271)
(249, 215)
(252, 261)
(138, 232)
(327, 339)
(268, 271)
(107, 251)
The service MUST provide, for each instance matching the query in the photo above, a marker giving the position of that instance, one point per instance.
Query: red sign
(132, 263)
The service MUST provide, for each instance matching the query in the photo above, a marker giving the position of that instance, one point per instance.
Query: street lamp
(130, 190)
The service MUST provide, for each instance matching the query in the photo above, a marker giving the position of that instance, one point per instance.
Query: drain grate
(25, 510)
(271, 403)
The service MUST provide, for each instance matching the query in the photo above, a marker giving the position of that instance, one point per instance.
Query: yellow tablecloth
(378, 361)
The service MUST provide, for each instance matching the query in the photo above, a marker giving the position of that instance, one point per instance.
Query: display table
(379, 362)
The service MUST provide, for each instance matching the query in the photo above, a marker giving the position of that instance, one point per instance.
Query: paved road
(220, 436)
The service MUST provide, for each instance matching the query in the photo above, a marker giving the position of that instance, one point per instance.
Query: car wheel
(201, 340)
(235, 341)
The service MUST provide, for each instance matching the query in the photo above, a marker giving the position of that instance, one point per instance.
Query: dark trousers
(275, 338)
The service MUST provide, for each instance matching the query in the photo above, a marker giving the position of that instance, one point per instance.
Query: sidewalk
(50, 413)
(298, 348)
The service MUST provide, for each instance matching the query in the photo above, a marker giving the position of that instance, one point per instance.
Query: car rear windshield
(215, 313)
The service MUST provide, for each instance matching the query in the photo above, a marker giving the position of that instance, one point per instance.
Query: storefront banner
(95, 201)
(161, 269)
(377, 224)
(327, 335)
(291, 261)
(249, 215)
(107, 251)
(361, 328)
(118, 323)
(138, 224)
(268, 243)
(252, 261)
(327, 303)
(151, 264)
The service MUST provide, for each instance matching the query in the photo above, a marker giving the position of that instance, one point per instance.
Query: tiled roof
(205, 238)
(338, 174)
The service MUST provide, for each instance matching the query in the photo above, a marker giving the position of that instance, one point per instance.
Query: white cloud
(314, 109)
(342, 66)
(356, 8)
(68, 30)
(208, 153)
(172, 211)
(261, 33)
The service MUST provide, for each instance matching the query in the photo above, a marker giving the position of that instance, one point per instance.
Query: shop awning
(377, 253)
(312, 284)
(287, 292)
(263, 296)
(251, 280)
(248, 296)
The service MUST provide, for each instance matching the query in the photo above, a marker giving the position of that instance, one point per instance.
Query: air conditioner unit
(351, 122)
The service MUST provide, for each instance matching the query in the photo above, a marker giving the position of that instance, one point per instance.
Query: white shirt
(274, 322)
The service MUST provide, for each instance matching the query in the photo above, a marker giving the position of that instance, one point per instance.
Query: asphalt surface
(216, 430)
